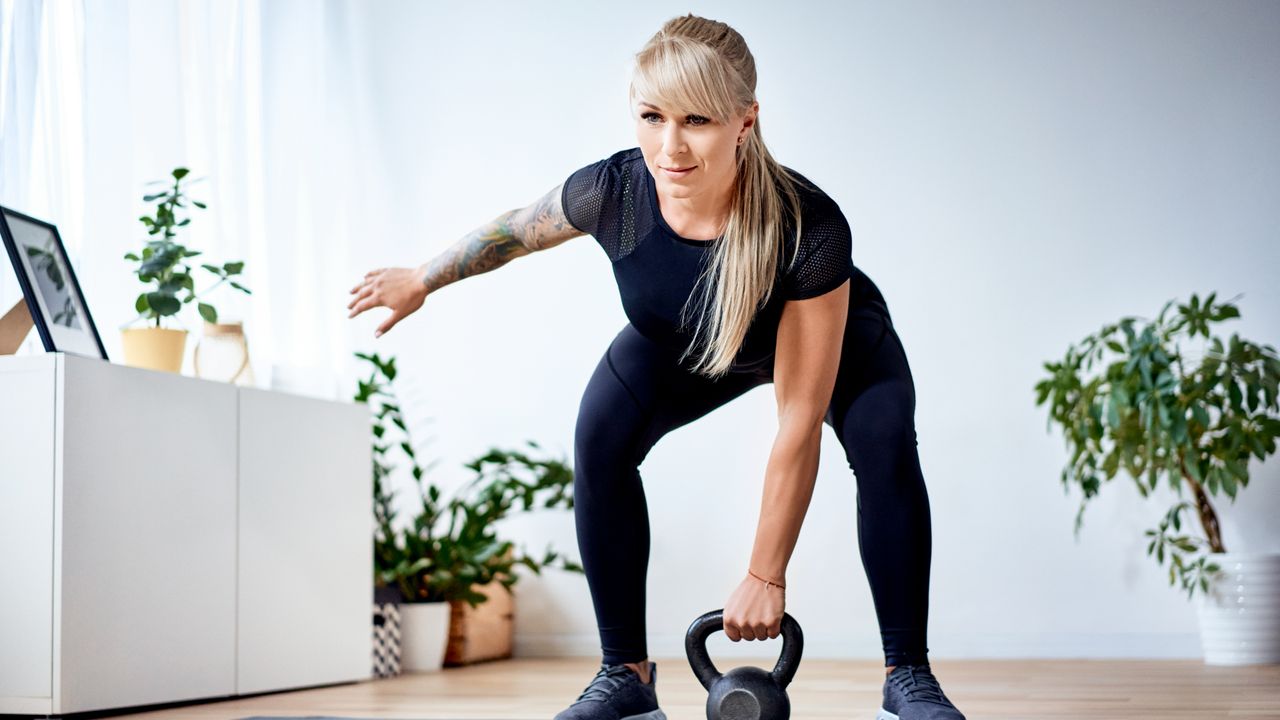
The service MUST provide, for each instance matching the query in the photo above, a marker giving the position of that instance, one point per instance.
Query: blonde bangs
(685, 77)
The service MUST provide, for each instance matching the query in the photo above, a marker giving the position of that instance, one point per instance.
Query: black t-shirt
(615, 200)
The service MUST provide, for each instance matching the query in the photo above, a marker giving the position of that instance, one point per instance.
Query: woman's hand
(400, 289)
(753, 611)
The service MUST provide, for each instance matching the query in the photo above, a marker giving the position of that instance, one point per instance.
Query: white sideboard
(165, 538)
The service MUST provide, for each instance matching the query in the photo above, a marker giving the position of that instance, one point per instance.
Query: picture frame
(52, 293)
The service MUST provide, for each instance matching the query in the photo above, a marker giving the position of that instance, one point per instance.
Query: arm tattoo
(490, 246)
(514, 233)
(543, 224)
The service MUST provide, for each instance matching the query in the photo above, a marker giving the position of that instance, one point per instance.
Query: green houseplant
(1147, 398)
(162, 264)
(450, 549)
(427, 561)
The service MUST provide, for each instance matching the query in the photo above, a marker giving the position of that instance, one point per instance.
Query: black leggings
(638, 393)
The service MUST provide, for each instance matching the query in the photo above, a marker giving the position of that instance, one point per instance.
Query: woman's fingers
(364, 294)
(365, 282)
(759, 631)
(737, 630)
(369, 302)
(399, 289)
(388, 324)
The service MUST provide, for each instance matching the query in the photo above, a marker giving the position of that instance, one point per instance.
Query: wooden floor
(1028, 690)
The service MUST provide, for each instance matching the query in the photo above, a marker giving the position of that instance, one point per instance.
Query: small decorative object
(163, 262)
(52, 301)
(386, 632)
(449, 555)
(1155, 409)
(222, 353)
(424, 633)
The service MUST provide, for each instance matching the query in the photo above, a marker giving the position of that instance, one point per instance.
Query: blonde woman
(734, 271)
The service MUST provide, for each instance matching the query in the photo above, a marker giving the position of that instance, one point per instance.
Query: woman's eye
(695, 120)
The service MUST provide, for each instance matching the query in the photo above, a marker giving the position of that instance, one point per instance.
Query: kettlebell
(744, 693)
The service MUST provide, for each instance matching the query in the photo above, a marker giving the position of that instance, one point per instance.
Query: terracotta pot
(154, 348)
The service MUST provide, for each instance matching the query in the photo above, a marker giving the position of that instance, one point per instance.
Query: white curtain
(262, 101)
(41, 132)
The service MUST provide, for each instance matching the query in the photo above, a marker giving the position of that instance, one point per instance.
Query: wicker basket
(482, 633)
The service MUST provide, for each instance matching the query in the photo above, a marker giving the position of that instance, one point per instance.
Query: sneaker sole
(885, 715)
(651, 715)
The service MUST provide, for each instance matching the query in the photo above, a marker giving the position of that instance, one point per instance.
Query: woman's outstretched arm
(518, 232)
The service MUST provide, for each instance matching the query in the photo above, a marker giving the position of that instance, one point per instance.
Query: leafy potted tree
(448, 562)
(162, 262)
(1156, 409)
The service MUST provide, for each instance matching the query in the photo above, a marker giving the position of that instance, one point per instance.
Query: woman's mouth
(678, 172)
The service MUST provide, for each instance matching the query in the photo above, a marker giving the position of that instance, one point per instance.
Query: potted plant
(162, 262)
(448, 561)
(1131, 397)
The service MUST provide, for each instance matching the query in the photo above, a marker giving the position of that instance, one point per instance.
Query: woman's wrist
(768, 580)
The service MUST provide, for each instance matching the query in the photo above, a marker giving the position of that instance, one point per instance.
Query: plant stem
(194, 297)
(1208, 518)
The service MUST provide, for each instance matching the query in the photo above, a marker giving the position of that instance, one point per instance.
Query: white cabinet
(165, 538)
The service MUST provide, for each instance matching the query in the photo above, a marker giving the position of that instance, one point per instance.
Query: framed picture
(52, 293)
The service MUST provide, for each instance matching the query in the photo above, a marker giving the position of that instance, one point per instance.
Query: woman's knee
(882, 415)
(610, 426)
(877, 432)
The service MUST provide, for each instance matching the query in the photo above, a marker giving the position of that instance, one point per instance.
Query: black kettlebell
(744, 693)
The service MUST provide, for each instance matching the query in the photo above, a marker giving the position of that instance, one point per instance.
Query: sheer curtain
(263, 101)
(41, 130)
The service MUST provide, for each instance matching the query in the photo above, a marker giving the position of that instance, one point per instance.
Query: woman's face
(689, 155)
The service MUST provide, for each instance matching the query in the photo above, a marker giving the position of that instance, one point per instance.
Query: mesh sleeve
(584, 194)
(825, 257)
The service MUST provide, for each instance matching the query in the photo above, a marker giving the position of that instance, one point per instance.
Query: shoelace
(918, 684)
(609, 678)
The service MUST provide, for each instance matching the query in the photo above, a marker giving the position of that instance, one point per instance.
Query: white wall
(1016, 175)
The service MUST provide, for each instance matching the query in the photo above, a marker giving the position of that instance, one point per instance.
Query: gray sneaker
(911, 692)
(617, 693)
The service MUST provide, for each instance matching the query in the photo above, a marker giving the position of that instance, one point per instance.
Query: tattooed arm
(519, 232)
(514, 233)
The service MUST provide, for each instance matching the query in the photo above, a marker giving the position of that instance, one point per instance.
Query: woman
(734, 271)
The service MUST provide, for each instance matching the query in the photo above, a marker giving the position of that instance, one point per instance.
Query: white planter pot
(424, 635)
(1240, 620)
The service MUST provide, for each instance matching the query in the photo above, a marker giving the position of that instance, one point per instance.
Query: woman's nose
(672, 142)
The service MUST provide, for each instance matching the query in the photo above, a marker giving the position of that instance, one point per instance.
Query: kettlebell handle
(695, 646)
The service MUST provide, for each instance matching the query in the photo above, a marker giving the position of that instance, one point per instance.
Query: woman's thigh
(874, 395)
(639, 392)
